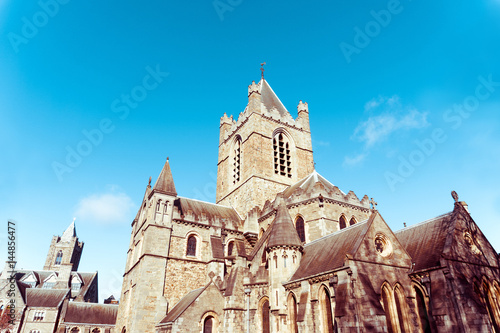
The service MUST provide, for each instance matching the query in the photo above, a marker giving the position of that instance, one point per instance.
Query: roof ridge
(423, 222)
(338, 232)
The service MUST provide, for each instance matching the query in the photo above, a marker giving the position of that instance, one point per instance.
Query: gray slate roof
(165, 182)
(91, 313)
(282, 230)
(425, 241)
(328, 253)
(209, 209)
(183, 304)
(46, 298)
(269, 99)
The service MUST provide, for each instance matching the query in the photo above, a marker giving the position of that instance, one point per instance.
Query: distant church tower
(64, 256)
(263, 152)
(64, 250)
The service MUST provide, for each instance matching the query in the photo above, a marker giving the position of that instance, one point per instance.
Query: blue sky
(404, 101)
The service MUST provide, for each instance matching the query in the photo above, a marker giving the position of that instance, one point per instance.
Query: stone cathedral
(285, 250)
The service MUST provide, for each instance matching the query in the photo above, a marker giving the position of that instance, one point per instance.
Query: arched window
(401, 308)
(292, 313)
(208, 325)
(326, 310)
(491, 307)
(75, 330)
(264, 312)
(165, 208)
(124, 330)
(299, 225)
(158, 204)
(423, 315)
(191, 246)
(96, 330)
(230, 248)
(59, 257)
(342, 222)
(390, 312)
(282, 156)
(352, 221)
(236, 159)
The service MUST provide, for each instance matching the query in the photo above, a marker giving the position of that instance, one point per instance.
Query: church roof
(210, 210)
(91, 313)
(306, 184)
(69, 233)
(165, 182)
(283, 232)
(183, 304)
(425, 241)
(45, 298)
(329, 252)
(269, 99)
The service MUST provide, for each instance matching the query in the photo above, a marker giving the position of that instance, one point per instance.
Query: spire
(283, 232)
(69, 233)
(165, 182)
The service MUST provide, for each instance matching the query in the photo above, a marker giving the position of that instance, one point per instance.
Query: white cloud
(388, 116)
(351, 161)
(109, 207)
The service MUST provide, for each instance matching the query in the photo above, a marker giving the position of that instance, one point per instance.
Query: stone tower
(64, 250)
(143, 302)
(262, 152)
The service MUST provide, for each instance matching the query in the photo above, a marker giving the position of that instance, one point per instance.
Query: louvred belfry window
(282, 157)
(236, 160)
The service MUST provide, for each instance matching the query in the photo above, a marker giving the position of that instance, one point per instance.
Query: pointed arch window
(158, 205)
(59, 257)
(401, 308)
(342, 222)
(264, 311)
(352, 221)
(326, 310)
(191, 246)
(282, 156)
(390, 314)
(299, 226)
(423, 314)
(236, 160)
(292, 313)
(491, 307)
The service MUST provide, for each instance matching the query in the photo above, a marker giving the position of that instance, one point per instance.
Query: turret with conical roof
(284, 250)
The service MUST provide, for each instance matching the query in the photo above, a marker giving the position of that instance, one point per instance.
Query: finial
(373, 203)
(262, 69)
(167, 158)
(74, 219)
(404, 224)
(454, 196)
(149, 184)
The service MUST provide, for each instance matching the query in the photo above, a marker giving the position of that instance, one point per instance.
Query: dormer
(31, 279)
(50, 281)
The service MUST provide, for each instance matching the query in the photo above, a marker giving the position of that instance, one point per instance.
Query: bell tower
(64, 251)
(263, 151)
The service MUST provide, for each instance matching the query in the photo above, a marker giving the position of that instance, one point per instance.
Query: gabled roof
(425, 241)
(282, 230)
(308, 183)
(91, 313)
(165, 182)
(183, 304)
(209, 209)
(45, 298)
(329, 252)
(69, 233)
(269, 99)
